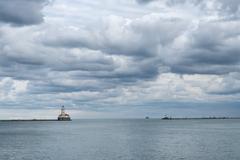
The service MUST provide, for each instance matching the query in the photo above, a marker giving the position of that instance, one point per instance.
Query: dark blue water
(121, 140)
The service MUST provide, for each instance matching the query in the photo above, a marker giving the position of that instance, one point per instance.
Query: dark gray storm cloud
(231, 6)
(213, 49)
(22, 12)
(144, 1)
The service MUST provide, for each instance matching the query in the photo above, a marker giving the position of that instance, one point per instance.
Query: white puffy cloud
(10, 89)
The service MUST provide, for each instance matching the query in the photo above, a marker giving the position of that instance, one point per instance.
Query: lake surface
(137, 139)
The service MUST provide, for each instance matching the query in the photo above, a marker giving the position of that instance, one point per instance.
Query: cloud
(198, 52)
(225, 8)
(23, 12)
(144, 1)
(231, 6)
(11, 88)
(53, 70)
(139, 37)
(176, 44)
(226, 85)
(131, 55)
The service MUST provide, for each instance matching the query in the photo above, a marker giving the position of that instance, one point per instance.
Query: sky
(119, 59)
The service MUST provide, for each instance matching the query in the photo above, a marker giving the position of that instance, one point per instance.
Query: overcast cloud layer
(129, 57)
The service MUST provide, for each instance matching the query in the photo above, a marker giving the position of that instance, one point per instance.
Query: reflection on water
(150, 139)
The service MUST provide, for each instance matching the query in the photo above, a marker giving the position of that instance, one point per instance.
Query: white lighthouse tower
(64, 116)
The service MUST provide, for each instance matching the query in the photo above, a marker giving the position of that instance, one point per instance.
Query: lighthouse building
(64, 116)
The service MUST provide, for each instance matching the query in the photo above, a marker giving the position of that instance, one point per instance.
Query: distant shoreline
(26, 120)
(201, 118)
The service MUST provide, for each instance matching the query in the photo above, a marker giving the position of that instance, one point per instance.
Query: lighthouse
(63, 116)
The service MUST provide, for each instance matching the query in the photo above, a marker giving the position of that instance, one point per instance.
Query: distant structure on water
(64, 116)
(166, 118)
